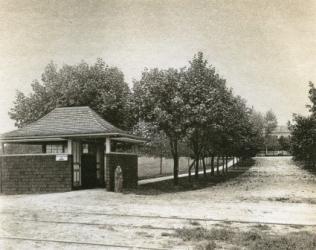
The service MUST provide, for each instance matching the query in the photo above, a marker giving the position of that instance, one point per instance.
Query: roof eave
(65, 137)
(22, 140)
(129, 140)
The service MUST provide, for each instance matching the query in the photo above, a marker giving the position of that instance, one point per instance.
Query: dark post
(217, 165)
(161, 164)
(197, 168)
(223, 162)
(212, 165)
(204, 166)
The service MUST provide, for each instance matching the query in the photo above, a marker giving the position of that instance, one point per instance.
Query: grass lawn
(167, 186)
(149, 167)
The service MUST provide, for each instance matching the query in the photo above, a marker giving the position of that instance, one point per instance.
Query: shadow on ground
(201, 182)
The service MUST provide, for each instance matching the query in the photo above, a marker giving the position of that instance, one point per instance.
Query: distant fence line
(274, 153)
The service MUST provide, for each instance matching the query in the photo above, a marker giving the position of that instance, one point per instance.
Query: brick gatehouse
(73, 148)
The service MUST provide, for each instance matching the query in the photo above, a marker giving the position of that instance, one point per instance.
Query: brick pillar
(129, 166)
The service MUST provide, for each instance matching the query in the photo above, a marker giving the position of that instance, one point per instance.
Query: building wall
(34, 174)
(22, 149)
(128, 164)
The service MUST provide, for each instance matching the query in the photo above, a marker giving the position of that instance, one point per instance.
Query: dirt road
(274, 191)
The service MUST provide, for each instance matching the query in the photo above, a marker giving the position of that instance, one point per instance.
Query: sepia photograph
(158, 124)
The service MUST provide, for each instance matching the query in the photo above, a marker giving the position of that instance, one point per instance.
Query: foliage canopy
(99, 86)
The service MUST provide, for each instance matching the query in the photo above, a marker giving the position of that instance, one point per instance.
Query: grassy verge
(199, 183)
(149, 167)
(254, 240)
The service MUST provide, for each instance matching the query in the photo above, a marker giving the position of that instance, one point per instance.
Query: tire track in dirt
(26, 217)
(79, 243)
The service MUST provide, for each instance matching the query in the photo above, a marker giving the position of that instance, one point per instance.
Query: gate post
(107, 147)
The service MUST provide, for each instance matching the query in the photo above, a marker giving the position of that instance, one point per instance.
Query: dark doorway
(89, 171)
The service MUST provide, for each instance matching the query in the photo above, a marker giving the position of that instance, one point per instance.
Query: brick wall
(34, 174)
(128, 164)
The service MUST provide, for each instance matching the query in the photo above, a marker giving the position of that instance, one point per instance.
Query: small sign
(61, 157)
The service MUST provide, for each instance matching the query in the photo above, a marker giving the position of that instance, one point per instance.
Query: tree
(303, 139)
(312, 98)
(284, 143)
(202, 92)
(99, 86)
(243, 129)
(257, 125)
(258, 122)
(157, 100)
(270, 123)
(303, 132)
(157, 142)
(194, 105)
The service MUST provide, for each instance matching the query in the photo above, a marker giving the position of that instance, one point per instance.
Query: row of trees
(303, 132)
(193, 106)
(184, 112)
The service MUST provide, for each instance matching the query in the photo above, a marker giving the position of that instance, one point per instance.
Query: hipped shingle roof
(66, 121)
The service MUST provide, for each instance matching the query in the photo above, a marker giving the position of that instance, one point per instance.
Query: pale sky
(265, 49)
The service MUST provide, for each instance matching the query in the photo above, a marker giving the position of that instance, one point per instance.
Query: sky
(265, 49)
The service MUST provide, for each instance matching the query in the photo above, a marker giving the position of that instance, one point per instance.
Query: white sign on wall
(62, 157)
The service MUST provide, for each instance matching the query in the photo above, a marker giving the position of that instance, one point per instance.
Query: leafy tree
(157, 100)
(257, 125)
(284, 143)
(303, 139)
(194, 105)
(303, 132)
(244, 130)
(157, 144)
(202, 92)
(99, 86)
(258, 122)
(270, 123)
(312, 98)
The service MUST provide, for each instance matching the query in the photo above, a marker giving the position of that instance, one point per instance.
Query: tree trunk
(226, 163)
(176, 169)
(190, 169)
(174, 150)
(197, 168)
(212, 165)
(217, 165)
(204, 167)
(161, 164)
(223, 162)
